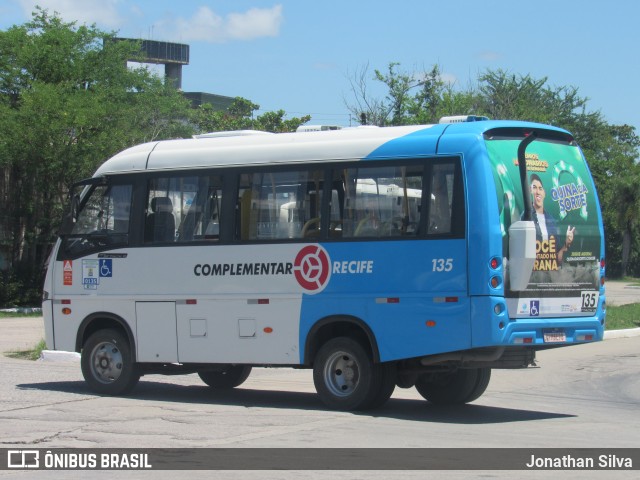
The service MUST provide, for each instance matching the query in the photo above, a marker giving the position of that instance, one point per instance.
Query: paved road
(585, 396)
(622, 293)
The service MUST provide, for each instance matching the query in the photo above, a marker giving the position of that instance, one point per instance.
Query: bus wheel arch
(102, 321)
(339, 326)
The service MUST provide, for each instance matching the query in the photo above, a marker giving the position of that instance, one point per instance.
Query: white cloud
(206, 25)
(255, 23)
(102, 12)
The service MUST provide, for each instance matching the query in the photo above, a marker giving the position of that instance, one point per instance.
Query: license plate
(554, 336)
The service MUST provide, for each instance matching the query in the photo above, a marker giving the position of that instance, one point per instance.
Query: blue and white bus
(408, 256)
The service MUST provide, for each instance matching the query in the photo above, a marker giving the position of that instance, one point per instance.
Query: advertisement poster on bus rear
(565, 214)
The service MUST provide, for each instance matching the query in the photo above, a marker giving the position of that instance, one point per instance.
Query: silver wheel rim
(106, 362)
(341, 374)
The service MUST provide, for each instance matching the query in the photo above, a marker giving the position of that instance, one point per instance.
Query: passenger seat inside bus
(160, 225)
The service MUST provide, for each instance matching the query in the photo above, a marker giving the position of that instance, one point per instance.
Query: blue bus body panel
(415, 145)
(409, 314)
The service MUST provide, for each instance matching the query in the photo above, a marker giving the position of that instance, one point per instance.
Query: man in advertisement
(547, 229)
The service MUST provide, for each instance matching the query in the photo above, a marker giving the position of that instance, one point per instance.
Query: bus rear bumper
(553, 332)
(539, 332)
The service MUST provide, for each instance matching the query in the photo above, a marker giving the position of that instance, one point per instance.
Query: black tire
(346, 378)
(107, 363)
(387, 377)
(230, 377)
(461, 386)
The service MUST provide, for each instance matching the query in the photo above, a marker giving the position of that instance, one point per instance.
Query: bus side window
(280, 205)
(183, 209)
(102, 221)
(203, 217)
(381, 202)
(106, 211)
(442, 197)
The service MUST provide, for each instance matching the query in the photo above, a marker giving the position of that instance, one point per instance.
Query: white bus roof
(236, 150)
(230, 149)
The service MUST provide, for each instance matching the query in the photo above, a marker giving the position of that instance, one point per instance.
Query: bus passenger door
(156, 337)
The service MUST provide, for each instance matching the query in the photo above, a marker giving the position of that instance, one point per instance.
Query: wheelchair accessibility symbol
(106, 267)
(535, 308)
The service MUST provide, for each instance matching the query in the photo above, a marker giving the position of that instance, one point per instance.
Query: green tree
(616, 170)
(240, 116)
(410, 98)
(67, 102)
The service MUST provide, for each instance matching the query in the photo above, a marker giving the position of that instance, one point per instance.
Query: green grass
(33, 354)
(623, 316)
(17, 314)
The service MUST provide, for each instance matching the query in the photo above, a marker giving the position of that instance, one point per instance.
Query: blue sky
(298, 55)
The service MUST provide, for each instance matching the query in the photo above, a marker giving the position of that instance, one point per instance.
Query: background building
(174, 56)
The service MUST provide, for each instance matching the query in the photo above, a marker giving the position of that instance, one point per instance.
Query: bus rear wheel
(456, 388)
(230, 377)
(346, 378)
(107, 363)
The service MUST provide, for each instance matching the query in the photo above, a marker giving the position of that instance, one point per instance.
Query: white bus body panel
(205, 316)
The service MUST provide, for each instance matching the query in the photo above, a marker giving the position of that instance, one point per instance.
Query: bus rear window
(564, 210)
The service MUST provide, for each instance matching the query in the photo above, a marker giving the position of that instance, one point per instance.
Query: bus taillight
(584, 338)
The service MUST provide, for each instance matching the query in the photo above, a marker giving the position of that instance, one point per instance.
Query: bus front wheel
(230, 377)
(107, 363)
(461, 386)
(346, 378)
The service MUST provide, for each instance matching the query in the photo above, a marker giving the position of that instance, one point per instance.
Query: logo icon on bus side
(534, 310)
(312, 268)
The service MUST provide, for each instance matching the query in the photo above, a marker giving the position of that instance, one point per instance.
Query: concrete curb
(59, 356)
(626, 333)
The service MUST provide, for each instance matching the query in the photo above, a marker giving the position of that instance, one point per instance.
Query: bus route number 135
(442, 264)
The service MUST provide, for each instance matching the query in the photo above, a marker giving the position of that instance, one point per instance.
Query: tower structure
(172, 55)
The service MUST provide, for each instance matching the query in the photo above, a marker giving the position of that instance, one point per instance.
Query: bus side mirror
(522, 253)
(71, 216)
